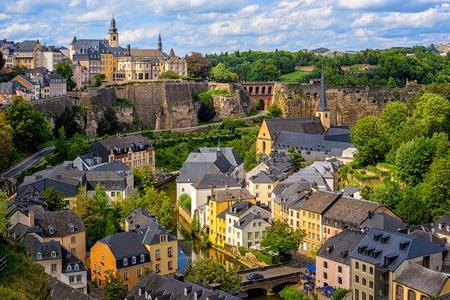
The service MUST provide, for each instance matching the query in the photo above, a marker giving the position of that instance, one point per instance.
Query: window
(142, 257)
(356, 278)
(399, 292)
(102, 258)
(71, 279)
(73, 239)
(411, 295)
(250, 235)
(125, 275)
(357, 265)
(138, 272)
(69, 268)
(269, 187)
(133, 260)
(53, 268)
(364, 281)
(257, 186)
(157, 268)
(257, 235)
(158, 254)
(53, 254)
(325, 264)
(363, 295)
(370, 270)
(339, 269)
(39, 255)
(169, 265)
(370, 297)
(257, 195)
(371, 284)
(325, 275)
(340, 280)
(364, 268)
(356, 294)
(78, 278)
(125, 262)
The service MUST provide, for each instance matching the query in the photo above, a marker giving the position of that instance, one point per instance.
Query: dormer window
(53, 254)
(125, 262)
(39, 255)
(72, 228)
(77, 267)
(51, 230)
(69, 268)
(142, 258)
(133, 260)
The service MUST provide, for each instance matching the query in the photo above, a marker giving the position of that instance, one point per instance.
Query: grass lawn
(293, 77)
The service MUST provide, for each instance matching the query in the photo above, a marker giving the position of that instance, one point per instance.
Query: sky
(212, 26)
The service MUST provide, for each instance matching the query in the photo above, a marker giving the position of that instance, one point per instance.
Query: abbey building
(106, 56)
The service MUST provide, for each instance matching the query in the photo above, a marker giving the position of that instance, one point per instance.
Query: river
(190, 250)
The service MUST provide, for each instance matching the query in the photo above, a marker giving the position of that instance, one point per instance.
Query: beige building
(28, 54)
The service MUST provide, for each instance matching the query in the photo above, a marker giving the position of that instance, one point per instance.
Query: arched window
(69, 268)
(39, 255)
(411, 295)
(125, 262)
(53, 254)
(77, 267)
(264, 146)
(399, 293)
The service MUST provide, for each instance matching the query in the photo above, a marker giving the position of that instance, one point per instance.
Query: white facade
(75, 279)
(50, 59)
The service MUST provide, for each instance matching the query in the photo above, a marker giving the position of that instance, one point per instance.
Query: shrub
(243, 250)
(264, 257)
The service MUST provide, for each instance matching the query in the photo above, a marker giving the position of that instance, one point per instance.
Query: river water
(191, 250)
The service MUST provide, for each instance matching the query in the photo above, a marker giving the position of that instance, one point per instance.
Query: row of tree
(391, 67)
(415, 140)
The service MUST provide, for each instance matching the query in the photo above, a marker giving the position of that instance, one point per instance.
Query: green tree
(2, 61)
(394, 116)
(221, 73)
(185, 202)
(30, 129)
(436, 187)
(4, 222)
(99, 79)
(292, 293)
(115, 288)
(64, 69)
(413, 159)
(388, 194)
(339, 294)
(108, 124)
(54, 198)
(169, 75)
(368, 137)
(297, 158)
(207, 271)
(432, 114)
(274, 111)
(281, 239)
(6, 140)
(412, 208)
(143, 178)
(198, 66)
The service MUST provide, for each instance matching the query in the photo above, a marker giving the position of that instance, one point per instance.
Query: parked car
(255, 276)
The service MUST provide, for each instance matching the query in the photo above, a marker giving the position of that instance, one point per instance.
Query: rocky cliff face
(347, 105)
(235, 104)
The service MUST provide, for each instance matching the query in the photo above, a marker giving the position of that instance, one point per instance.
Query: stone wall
(235, 104)
(347, 105)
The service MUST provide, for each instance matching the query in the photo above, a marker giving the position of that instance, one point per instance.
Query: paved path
(18, 168)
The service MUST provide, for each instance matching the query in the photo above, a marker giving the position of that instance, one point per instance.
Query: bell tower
(322, 111)
(113, 35)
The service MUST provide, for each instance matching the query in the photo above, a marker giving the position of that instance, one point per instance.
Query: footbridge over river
(275, 278)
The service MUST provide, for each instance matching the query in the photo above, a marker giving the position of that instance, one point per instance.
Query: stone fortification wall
(234, 104)
(347, 105)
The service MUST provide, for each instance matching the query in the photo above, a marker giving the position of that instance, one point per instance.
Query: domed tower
(322, 111)
(113, 35)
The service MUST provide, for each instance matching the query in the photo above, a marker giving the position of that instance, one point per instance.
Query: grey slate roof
(114, 166)
(61, 221)
(97, 46)
(337, 248)
(26, 46)
(230, 154)
(216, 180)
(382, 248)
(110, 180)
(169, 288)
(262, 177)
(291, 195)
(62, 291)
(125, 244)
(248, 219)
(34, 247)
(61, 178)
(139, 218)
(309, 142)
(240, 208)
(300, 125)
(234, 194)
(422, 279)
(384, 222)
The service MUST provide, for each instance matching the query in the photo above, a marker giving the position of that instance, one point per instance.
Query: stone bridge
(260, 93)
(275, 278)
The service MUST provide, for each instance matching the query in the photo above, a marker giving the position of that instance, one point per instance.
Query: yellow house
(414, 281)
(130, 253)
(28, 54)
(217, 204)
(311, 217)
(109, 65)
(261, 186)
(270, 128)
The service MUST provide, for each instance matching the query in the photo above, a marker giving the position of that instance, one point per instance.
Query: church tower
(113, 35)
(159, 42)
(322, 111)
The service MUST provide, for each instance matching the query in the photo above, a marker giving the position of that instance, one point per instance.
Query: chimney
(31, 214)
